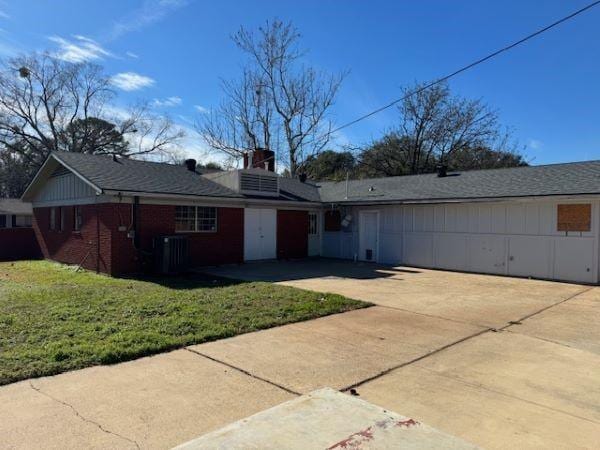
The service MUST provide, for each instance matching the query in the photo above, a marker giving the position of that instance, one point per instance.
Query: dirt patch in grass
(53, 319)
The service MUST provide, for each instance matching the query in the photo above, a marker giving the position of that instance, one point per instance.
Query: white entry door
(314, 234)
(368, 234)
(260, 234)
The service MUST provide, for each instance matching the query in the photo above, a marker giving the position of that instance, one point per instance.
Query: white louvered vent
(259, 184)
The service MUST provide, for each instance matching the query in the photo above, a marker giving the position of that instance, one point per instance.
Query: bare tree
(435, 124)
(47, 104)
(277, 103)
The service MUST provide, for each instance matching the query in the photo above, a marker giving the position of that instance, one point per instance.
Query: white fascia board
(179, 199)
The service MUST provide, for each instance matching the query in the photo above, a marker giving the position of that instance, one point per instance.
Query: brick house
(104, 213)
(17, 238)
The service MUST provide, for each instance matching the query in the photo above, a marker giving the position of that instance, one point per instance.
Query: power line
(462, 69)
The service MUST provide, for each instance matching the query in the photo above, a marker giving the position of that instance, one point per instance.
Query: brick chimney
(260, 158)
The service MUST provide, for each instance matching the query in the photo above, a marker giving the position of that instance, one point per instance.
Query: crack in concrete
(505, 394)
(245, 372)
(412, 361)
(546, 308)
(82, 417)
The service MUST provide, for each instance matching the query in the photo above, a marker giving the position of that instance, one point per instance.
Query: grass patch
(53, 320)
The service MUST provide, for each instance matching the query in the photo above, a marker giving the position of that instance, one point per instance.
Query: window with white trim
(53, 219)
(23, 221)
(77, 218)
(195, 219)
(313, 223)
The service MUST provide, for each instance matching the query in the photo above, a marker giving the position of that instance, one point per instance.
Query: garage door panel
(530, 256)
(451, 251)
(574, 259)
(418, 249)
(487, 254)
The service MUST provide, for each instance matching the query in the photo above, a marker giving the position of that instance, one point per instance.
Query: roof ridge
(463, 171)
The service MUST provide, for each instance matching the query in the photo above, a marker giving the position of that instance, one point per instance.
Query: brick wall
(292, 234)
(18, 243)
(77, 247)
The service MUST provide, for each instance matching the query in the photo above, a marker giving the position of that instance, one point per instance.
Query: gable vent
(259, 184)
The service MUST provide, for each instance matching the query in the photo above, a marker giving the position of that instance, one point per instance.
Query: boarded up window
(333, 220)
(574, 217)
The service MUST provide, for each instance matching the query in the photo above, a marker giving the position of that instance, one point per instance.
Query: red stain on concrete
(407, 423)
(355, 440)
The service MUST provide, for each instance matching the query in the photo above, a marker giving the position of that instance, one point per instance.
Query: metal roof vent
(259, 182)
(442, 170)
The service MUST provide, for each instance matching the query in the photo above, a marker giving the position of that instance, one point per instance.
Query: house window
(2, 221)
(22, 221)
(77, 218)
(206, 219)
(52, 219)
(195, 218)
(61, 224)
(313, 223)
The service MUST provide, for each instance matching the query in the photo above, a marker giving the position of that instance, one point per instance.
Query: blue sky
(173, 53)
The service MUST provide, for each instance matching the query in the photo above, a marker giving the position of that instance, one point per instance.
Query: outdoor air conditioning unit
(171, 254)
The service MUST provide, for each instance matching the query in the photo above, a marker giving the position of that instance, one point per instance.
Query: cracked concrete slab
(485, 300)
(157, 402)
(501, 390)
(575, 323)
(31, 419)
(339, 350)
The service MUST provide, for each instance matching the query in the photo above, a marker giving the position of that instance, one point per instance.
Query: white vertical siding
(64, 187)
(510, 238)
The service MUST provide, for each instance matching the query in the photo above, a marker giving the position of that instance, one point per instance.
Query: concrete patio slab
(504, 390)
(486, 418)
(575, 323)
(326, 419)
(337, 351)
(150, 403)
(29, 419)
(485, 300)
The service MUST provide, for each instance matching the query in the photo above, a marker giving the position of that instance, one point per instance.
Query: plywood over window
(574, 217)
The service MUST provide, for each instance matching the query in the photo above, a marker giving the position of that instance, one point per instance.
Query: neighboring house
(17, 239)
(105, 212)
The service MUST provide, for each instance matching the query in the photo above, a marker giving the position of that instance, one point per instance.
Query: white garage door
(260, 234)
(520, 239)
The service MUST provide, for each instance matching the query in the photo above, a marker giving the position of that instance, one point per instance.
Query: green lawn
(53, 319)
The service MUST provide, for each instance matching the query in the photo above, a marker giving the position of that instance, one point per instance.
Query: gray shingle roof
(15, 206)
(142, 176)
(151, 177)
(554, 179)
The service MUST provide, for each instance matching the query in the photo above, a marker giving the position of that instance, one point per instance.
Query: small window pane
(23, 221)
(207, 219)
(53, 218)
(312, 223)
(185, 219)
(2, 221)
(77, 218)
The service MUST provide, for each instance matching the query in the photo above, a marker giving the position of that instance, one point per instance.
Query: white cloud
(131, 81)
(169, 101)
(150, 12)
(132, 55)
(80, 49)
(3, 15)
(201, 109)
(535, 144)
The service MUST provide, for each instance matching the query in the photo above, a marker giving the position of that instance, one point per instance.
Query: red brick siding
(71, 246)
(18, 243)
(292, 234)
(224, 246)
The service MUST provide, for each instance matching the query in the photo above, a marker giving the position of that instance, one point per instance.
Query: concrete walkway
(439, 347)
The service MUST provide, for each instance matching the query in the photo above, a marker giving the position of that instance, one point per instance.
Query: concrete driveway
(496, 361)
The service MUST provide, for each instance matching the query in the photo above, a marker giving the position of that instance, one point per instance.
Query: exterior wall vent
(259, 183)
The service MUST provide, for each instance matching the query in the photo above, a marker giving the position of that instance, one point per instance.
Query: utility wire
(462, 69)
